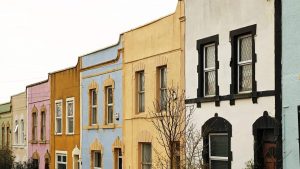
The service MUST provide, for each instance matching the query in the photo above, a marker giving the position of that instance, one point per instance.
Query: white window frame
(61, 153)
(94, 159)
(140, 91)
(61, 103)
(216, 158)
(242, 63)
(22, 132)
(161, 88)
(16, 132)
(92, 106)
(71, 99)
(109, 104)
(209, 69)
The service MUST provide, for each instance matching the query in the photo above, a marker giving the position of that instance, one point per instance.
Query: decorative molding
(161, 61)
(36, 155)
(108, 82)
(34, 109)
(139, 66)
(43, 108)
(117, 144)
(96, 146)
(93, 85)
(144, 136)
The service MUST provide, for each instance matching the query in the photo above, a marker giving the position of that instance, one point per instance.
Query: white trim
(210, 69)
(58, 101)
(67, 122)
(63, 153)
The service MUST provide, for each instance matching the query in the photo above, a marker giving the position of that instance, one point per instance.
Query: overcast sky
(38, 36)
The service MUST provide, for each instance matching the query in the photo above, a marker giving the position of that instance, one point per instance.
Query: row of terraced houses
(238, 62)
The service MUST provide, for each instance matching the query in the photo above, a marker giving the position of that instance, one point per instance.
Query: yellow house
(153, 54)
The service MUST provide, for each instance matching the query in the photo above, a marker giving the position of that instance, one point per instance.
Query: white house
(232, 65)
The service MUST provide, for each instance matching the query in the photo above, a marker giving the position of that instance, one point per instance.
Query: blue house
(291, 83)
(101, 108)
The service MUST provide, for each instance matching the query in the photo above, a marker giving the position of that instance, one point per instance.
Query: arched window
(217, 134)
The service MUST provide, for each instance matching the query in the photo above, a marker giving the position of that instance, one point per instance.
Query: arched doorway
(265, 132)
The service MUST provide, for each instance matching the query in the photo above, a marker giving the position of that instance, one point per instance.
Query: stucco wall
(5, 121)
(98, 75)
(147, 48)
(19, 112)
(219, 17)
(290, 82)
(38, 95)
(65, 84)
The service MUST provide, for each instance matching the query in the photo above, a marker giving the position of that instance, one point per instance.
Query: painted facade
(19, 126)
(291, 83)
(238, 108)
(101, 107)
(6, 126)
(65, 118)
(147, 50)
(38, 131)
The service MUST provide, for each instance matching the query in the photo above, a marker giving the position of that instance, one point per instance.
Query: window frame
(234, 86)
(34, 126)
(43, 126)
(162, 89)
(56, 118)
(107, 105)
(22, 132)
(61, 153)
(94, 159)
(140, 92)
(201, 45)
(70, 99)
(93, 106)
(141, 154)
(216, 158)
(3, 136)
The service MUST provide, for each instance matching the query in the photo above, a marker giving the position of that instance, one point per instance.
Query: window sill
(58, 134)
(69, 134)
(140, 115)
(108, 126)
(43, 142)
(93, 127)
(33, 141)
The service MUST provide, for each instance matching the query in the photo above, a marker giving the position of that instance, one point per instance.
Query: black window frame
(234, 36)
(201, 43)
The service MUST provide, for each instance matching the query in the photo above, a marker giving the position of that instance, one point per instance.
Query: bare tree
(179, 138)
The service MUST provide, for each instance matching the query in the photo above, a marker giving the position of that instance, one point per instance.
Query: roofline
(5, 103)
(61, 70)
(149, 23)
(102, 49)
(19, 94)
(37, 83)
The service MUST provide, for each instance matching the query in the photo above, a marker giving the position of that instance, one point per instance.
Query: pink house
(38, 131)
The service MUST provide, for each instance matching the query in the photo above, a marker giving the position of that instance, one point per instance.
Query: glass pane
(219, 164)
(210, 85)
(146, 166)
(64, 158)
(43, 119)
(146, 153)
(70, 108)
(245, 77)
(70, 123)
(109, 95)
(94, 116)
(245, 48)
(61, 166)
(141, 81)
(219, 145)
(110, 114)
(163, 77)
(94, 97)
(59, 158)
(210, 56)
(97, 159)
(141, 102)
(163, 98)
(58, 125)
(58, 109)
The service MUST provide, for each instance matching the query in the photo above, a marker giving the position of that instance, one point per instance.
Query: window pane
(58, 109)
(64, 158)
(97, 162)
(245, 77)
(246, 48)
(109, 95)
(58, 125)
(70, 123)
(210, 85)
(110, 114)
(146, 166)
(163, 98)
(141, 102)
(146, 153)
(219, 164)
(210, 56)
(163, 77)
(94, 116)
(61, 166)
(70, 108)
(219, 145)
(94, 97)
(141, 81)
